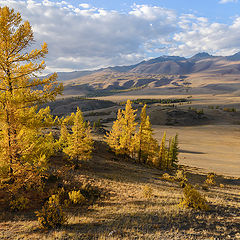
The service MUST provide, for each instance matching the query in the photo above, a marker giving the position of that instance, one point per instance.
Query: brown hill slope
(127, 212)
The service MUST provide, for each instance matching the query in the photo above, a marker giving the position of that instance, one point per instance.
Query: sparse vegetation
(76, 197)
(51, 215)
(152, 101)
(19, 204)
(229, 109)
(210, 179)
(193, 199)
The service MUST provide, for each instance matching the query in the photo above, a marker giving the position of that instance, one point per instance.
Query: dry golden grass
(126, 213)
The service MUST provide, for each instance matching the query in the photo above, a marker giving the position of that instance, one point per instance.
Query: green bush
(51, 215)
(193, 199)
(180, 176)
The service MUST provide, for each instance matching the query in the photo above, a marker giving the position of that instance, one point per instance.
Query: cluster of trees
(24, 142)
(162, 101)
(140, 144)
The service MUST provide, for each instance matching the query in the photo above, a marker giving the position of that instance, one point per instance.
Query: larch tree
(21, 139)
(128, 129)
(160, 161)
(173, 152)
(113, 137)
(146, 144)
(121, 136)
(78, 144)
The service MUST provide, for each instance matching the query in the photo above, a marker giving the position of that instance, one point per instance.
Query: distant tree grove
(140, 144)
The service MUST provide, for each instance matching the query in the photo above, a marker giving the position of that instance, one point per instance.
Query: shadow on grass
(127, 225)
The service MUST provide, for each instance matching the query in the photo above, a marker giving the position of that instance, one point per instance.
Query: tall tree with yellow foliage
(78, 144)
(145, 144)
(113, 137)
(121, 137)
(20, 92)
(161, 160)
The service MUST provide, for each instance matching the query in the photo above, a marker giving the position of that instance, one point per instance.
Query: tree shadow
(127, 225)
(192, 152)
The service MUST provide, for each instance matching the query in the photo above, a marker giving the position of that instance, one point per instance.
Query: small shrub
(200, 111)
(193, 199)
(168, 177)
(210, 179)
(180, 177)
(76, 197)
(205, 187)
(229, 109)
(90, 193)
(147, 192)
(51, 215)
(19, 204)
(63, 197)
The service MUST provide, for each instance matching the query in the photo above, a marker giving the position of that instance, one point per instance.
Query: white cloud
(84, 5)
(227, 1)
(197, 36)
(84, 37)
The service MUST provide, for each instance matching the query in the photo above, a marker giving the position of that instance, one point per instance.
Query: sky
(92, 34)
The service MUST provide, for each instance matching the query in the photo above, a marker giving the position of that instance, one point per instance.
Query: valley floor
(214, 148)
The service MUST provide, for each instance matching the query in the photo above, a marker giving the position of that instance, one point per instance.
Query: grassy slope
(125, 213)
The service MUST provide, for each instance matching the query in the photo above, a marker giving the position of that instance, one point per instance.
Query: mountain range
(170, 65)
(161, 72)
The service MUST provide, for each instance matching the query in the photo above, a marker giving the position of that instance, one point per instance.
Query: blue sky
(212, 9)
(98, 33)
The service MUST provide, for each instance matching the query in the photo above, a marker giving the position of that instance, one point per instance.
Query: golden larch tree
(173, 152)
(160, 161)
(121, 136)
(113, 137)
(78, 144)
(20, 93)
(145, 144)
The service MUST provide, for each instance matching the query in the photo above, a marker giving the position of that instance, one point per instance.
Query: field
(213, 148)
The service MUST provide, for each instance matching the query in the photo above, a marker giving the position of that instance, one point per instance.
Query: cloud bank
(228, 1)
(84, 37)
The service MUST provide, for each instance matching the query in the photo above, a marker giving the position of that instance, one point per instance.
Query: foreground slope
(126, 213)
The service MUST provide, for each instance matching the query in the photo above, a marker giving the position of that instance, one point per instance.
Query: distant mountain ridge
(170, 65)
